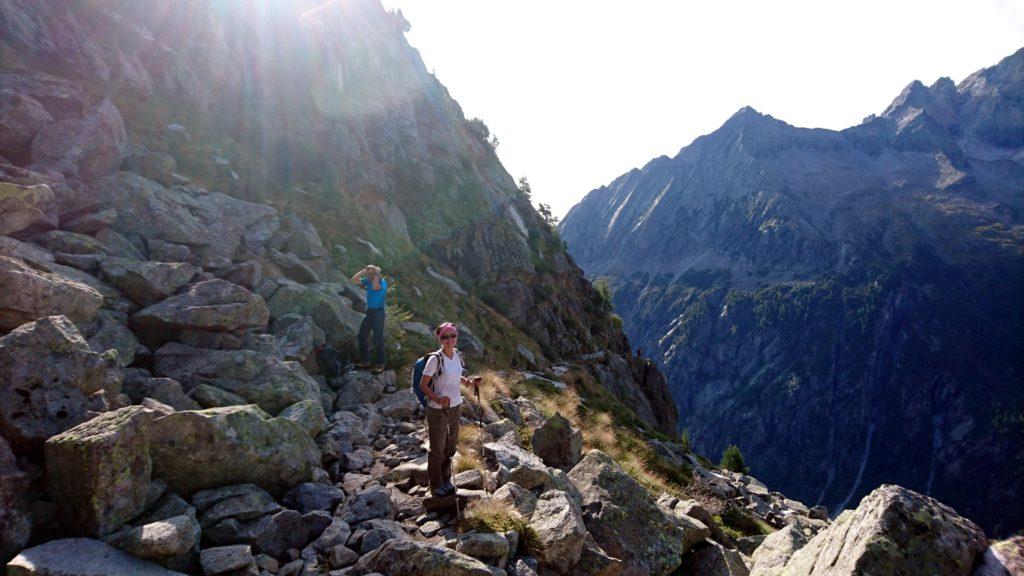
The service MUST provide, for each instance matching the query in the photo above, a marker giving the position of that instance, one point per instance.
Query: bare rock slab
(81, 557)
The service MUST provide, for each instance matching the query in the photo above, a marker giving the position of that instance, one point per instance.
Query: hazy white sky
(581, 91)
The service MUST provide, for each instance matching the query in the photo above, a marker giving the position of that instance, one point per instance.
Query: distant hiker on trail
(445, 406)
(376, 288)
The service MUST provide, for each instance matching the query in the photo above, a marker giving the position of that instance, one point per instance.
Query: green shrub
(732, 460)
(684, 440)
(604, 290)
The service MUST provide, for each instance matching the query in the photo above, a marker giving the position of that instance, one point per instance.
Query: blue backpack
(417, 374)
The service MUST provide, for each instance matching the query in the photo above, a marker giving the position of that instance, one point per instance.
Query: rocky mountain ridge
(845, 306)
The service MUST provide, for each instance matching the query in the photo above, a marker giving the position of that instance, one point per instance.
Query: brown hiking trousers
(444, 439)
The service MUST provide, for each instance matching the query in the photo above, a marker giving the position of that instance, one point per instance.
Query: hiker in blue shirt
(376, 288)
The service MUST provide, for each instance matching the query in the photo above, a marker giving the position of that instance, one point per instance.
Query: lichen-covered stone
(557, 443)
(309, 414)
(770, 558)
(146, 282)
(411, 558)
(47, 376)
(624, 519)
(260, 378)
(193, 450)
(893, 531)
(24, 206)
(524, 468)
(560, 530)
(331, 312)
(210, 305)
(712, 559)
(30, 294)
(158, 541)
(98, 472)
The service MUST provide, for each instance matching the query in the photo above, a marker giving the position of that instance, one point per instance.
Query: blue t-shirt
(375, 298)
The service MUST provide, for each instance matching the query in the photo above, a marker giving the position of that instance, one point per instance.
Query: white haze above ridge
(579, 92)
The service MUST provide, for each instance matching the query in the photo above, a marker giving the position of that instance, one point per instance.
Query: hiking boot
(362, 365)
(439, 492)
(378, 370)
(448, 488)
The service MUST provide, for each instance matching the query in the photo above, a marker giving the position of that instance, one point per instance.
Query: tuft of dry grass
(468, 460)
(498, 516)
(469, 442)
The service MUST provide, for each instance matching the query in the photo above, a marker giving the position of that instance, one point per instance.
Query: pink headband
(446, 328)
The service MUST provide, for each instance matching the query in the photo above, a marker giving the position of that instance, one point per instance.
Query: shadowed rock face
(844, 306)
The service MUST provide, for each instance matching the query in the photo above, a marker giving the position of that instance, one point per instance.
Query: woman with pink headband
(441, 383)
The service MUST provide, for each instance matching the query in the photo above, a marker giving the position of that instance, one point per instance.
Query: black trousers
(374, 320)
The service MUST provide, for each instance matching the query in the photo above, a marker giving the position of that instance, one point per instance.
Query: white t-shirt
(447, 384)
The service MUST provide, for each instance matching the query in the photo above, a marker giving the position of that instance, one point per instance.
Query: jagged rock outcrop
(784, 277)
(146, 283)
(893, 531)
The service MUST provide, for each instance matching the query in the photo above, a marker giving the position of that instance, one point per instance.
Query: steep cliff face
(323, 111)
(845, 306)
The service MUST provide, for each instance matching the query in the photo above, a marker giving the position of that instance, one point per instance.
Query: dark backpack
(332, 362)
(417, 373)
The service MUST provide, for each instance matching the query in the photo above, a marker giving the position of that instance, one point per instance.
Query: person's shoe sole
(378, 370)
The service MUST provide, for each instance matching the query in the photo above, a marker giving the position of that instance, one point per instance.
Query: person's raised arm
(358, 275)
